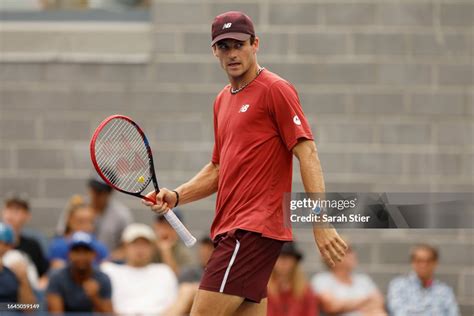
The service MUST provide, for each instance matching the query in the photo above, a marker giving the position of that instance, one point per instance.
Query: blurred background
(388, 87)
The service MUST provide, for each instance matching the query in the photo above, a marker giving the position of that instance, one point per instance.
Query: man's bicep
(304, 146)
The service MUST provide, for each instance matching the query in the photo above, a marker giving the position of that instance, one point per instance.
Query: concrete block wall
(387, 85)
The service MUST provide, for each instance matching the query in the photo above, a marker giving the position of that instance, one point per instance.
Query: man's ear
(214, 50)
(256, 45)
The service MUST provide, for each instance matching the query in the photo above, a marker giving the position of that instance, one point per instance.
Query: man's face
(81, 258)
(139, 252)
(285, 265)
(236, 57)
(16, 217)
(424, 264)
(82, 220)
(349, 262)
(99, 199)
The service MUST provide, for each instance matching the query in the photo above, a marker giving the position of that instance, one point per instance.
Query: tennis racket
(122, 156)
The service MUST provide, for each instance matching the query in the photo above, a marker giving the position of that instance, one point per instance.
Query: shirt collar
(414, 278)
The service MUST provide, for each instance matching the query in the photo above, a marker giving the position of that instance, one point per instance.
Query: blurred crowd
(101, 261)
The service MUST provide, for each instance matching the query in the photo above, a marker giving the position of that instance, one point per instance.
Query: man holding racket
(258, 126)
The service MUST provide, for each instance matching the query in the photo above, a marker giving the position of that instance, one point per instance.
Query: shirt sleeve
(54, 250)
(367, 284)
(285, 108)
(54, 284)
(319, 283)
(452, 308)
(216, 149)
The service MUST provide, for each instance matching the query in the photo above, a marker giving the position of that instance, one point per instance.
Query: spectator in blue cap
(15, 287)
(80, 287)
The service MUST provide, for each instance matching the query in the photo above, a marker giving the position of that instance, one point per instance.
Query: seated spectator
(189, 279)
(80, 217)
(171, 249)
(15, 287)
(344, 292)
(140, 286)
(16, 213)
(111, 217)
(420, 293)
(288, 291)
(79, 286)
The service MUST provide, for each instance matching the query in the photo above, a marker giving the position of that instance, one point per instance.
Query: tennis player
(258, 126)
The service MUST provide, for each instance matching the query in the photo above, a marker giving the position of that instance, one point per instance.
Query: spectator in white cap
(138, 273)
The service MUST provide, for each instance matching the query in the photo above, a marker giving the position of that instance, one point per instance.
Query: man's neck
(426, 282)
(80, 277)
(245, 79)
(136, 265)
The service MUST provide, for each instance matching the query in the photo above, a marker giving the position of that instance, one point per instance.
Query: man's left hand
(331, 246)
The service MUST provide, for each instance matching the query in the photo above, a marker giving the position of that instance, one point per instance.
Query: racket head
(121, 155)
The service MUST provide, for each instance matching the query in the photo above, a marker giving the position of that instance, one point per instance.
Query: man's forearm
(25, 292)
(200, 186)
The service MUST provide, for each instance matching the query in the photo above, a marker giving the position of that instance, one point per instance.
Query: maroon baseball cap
(233, 24)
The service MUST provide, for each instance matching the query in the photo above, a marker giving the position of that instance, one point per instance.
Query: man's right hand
(165, 200)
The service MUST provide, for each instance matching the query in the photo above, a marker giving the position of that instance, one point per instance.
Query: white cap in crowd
(137, 230)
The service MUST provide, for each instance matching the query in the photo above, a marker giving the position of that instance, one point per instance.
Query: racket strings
(130, 144)
(120, 167)
(122, 156)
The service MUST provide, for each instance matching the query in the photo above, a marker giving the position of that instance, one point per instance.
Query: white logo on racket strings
(296, 120)
(244, 108)
(226, 26)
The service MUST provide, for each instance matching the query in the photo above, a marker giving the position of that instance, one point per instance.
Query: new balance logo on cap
(226, 26)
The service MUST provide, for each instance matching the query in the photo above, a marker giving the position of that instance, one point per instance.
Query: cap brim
(236, 36)
(81, 245)
(133, 238)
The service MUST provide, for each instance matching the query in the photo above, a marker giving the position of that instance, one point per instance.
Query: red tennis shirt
(254, 133)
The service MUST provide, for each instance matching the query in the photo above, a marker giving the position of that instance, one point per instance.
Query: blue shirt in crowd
(72, 293)
(9, 286)
(407, 296)
(59, 249)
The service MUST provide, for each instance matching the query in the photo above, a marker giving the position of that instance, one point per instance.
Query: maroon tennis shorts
(241, 264)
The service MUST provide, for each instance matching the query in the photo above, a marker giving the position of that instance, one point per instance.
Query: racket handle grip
(188, 239)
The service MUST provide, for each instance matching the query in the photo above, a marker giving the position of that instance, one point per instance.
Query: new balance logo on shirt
(244, 108)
